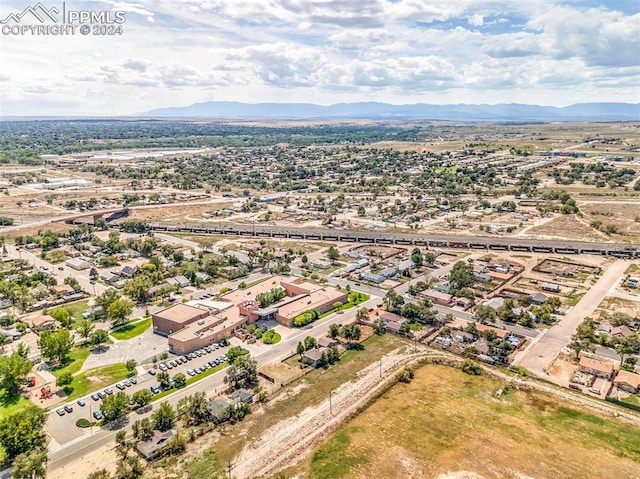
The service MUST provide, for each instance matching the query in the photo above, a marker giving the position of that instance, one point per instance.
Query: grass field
(132, 329)
(446, 421)
(11, 405)
(96, 379)
(73, 364)
(76, 309)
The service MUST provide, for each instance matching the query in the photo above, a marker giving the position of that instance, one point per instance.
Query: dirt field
(566, 227)
(446, 422)
(176, 213)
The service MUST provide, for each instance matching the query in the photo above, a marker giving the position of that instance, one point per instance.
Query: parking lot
(62, 426)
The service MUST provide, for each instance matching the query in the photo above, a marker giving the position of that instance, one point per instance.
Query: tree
(163, 417)
(362, 313)
(138, 288)
(430, 258)
(129, 468)
(142, 429)
(334, 330)
(579, 344)
(194, 409)
(392, 301)
(627, 345)
(242, 373)
(333, 254)
(23, 432)
(55, 345)
(106, 298)
(31, 465)
(93, 274)
(620, 319)
(61, 315)
(471, 367)
(300, 349)
(180, 380)
(99, 337)
(304, 259)
(554, 303)
(115, 406)
(163, 379)
(309, 343)
(13, 371)
(131, 365)
(350, 332)
(118, 311)
(379, 326)
(122, 446)
(64, 379)
(485, 313)
(142, 397)
(417, 258)
(84, 328)
(461, 275)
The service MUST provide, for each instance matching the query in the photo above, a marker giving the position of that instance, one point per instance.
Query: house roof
(41, 320)
(157, 441)
(621, 331)
(314, 354)
(501, 333)
(180, 313)
(626, 377)
(599, 365)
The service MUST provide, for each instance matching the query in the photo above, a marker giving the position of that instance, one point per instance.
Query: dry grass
(566, 227)
(446, 421)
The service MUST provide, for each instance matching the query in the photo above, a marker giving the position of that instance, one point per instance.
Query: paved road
(540, 355)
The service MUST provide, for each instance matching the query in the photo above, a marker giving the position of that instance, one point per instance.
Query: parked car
(60, 411)
(152, 372)
(97, 415)
(127, 382)
(109, 391)
(133, 380)
(191, 372)
(80, 403)
(163, 367)
(95, 397)
(121, 386)
(154, 389)
(101, 394)
(68, 408)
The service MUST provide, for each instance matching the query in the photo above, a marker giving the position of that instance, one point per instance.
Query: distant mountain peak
(583, 112)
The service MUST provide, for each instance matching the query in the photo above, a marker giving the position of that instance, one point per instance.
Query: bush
(406, 375)
(306, 318)
(82, 422)
(472, 368)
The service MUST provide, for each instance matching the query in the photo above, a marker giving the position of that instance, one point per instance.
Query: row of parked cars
(211, 364)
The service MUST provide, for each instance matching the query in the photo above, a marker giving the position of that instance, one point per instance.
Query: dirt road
(291, 440)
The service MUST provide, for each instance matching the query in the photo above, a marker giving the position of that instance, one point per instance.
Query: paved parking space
(140, 348)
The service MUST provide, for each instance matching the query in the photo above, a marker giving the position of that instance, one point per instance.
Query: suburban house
(621, 331)
(501, 333)
(61, 289)
(77, 264)
(43, 322)
(437, 297)
(218, 410)
(326, 342)
(242, 396)
(154, 445)
(180, 281)
(464, 303)
(313, 356)
(372, 277)
(321, 263)
(627, 381)
(553, 288)
(109, 277)
(538, 299)
(598, 367)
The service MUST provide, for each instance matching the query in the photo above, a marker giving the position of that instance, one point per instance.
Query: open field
(446, 421)
(176, 213)
(11, 405)
(567, 227)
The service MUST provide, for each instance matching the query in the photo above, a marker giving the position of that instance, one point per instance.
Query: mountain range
(417, 111)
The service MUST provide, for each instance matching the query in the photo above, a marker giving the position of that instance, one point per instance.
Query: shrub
(82, 422)
(471, 367)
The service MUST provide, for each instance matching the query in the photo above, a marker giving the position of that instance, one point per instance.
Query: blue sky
(179, 52)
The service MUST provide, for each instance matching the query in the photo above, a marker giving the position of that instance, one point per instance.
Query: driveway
(140, 348)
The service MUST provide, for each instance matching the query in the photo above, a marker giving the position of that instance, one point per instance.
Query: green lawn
(11, 405)
(355, 298)
(76, 309)
(132, 329)
(96, 379)
(74, 362)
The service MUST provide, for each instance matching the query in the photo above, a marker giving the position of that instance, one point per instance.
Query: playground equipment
(45, 393)
(31, 381)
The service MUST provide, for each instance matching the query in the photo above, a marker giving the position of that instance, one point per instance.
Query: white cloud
(177, 52)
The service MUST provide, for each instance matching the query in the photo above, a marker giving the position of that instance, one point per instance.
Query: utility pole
(330, 403)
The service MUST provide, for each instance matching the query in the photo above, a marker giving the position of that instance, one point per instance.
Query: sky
(180, 52)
